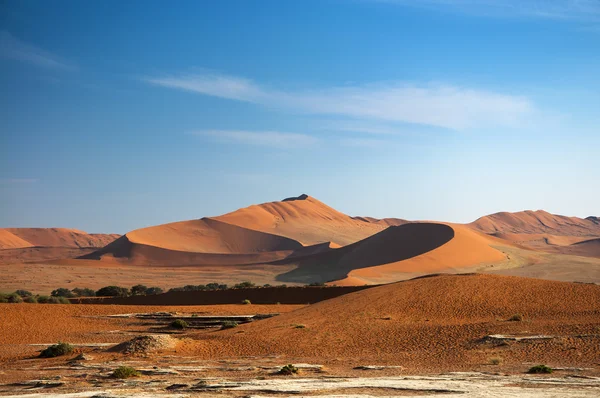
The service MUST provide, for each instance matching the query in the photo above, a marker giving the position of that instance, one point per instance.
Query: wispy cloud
(582, 10)
(273, 139)
(18, 180)
(439, 105)
(13, 48)
(368, 143)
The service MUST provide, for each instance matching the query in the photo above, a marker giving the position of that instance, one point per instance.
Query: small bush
(30, 300)
(14, 298)
(125, 372)
(24, 293)
(288, 370)
(540, 369)
(244, 285)
(299, 326)
(154, 290)
(3, 298)
(57, 350)
(85, 292)
(138, 290)
(179, 324)
(62, 292)
(246, 302)
(113, 291)
(516, 318)
(43, 299)
(63, 300)
(229, 325)
(496, 361)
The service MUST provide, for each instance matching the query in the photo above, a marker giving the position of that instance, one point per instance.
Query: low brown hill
(430, 321)
(61, 237)
(536, 222)
(304, 219)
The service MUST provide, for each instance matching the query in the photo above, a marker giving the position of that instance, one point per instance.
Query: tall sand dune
(304, 219)
(9, 240)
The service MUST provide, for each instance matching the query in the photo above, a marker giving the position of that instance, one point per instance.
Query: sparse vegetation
(62, 292)
(30, 300)
(139, 290)
(125, 372)
(516, 318)
(154, 290)
(113, 291)
(244, 285)
(57, 350)
(496, 361)
(14, 298)
(229, 325)
(246, 301)
(179, 324)
(539, 369)
(288, 370)
(299, 326)
(85, 292)
(24, 293)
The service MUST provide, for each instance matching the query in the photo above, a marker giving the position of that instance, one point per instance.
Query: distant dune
(52, 237)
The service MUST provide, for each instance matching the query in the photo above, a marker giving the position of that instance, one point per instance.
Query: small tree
(154, 290)
(179, 324)
(244, 285)
(24, 293)
(85, 292)
(57, 350)
(139, 290)
(14, 298)
(113, 291)
(62, 292)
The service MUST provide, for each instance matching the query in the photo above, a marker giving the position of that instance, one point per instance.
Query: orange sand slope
(304, 219)
(51, 237)
(466, 248)
(428, 319)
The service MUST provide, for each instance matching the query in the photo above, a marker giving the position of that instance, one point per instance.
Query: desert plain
(359, 306)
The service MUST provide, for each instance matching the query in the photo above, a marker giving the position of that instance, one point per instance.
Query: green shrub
(24, 293)
(246, 302)
(113, 291)
(516, 318)
(63, 300)
(299, 326)
(57, 350)
(44, 299)
(139, 290)
(229, 325)
(62, 292)
(85, 292)
(125, 372)
(244, 285)
(14, 298)
(288, 370)
(179, 324)
(154, 290)
(30, 300)
(540, 369)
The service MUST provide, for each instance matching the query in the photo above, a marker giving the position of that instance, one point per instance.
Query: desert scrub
(30, 299)
(57, 350)
(246, 302)
(299, 326)
(228, 325)
(14, 298)
(540, 369)
(125, 372)
(516, 318)
(496, 361)
(288, 370)
(179, 324)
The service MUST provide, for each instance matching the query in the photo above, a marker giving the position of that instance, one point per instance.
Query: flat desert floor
(447, 335)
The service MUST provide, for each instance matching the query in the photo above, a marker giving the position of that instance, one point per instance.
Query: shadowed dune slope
(58, 237)
(536, 222)
(417, 316)
(466, 248)
(304, 219)
(392, 245)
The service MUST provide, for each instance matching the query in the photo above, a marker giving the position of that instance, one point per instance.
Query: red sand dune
(60, 237)
(537, 222)
(429, 321)
(304, 219)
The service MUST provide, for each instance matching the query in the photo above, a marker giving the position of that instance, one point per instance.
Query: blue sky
(119, 115)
